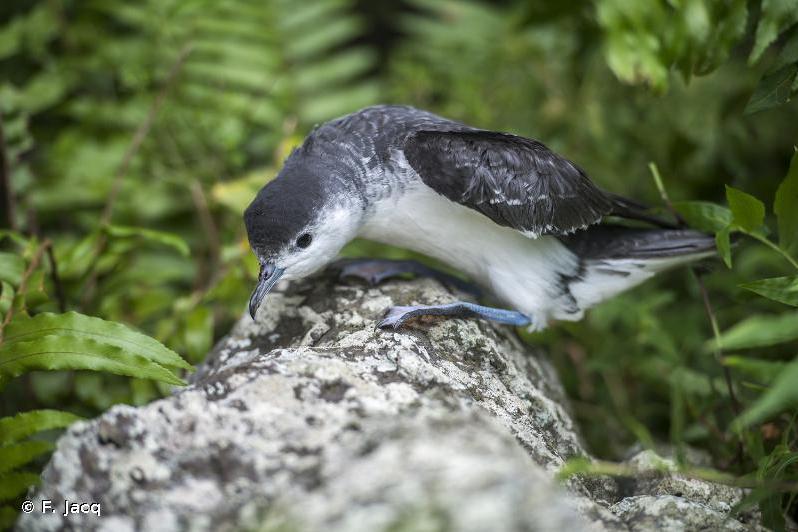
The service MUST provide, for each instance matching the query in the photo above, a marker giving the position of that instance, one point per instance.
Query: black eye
(304, 240)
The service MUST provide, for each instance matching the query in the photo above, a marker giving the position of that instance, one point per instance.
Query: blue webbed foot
(397, 316)
(374, 271)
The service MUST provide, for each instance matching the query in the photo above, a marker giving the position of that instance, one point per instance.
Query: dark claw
(395, 317)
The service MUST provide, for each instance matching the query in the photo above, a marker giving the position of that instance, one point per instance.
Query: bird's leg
(396, 316)
(374, 271)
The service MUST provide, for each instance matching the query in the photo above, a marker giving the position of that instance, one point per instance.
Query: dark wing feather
(514, 181)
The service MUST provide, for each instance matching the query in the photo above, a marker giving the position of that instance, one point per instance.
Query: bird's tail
(617, 258)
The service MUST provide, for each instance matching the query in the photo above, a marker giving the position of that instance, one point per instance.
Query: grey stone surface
(311, 419)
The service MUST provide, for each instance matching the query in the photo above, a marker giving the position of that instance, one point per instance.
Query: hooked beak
(268, 276)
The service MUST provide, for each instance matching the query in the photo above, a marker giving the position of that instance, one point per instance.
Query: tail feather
(618, 242)
(634, 210)
(615, 258)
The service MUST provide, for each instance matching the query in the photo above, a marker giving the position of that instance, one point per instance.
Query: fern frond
(19, 427)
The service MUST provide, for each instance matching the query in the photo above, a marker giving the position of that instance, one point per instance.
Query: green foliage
(723, 243)
(782, 394)
(135, 112)
(748, 216)
(13, 429)
(759, 331)
(759, 370)
(645, 40)
(11, 268)
(77, 326)
(61, 341)
(148, 235)
(7, 516)
(64, 351)
(748, 213)
(704, 215)
(70, 340)
(768, 386)
(775, 88)
(781, 289)
(17, 451)
(785, 206)
(19, 454)
(777, 15)
(780, 82)
(14, 484)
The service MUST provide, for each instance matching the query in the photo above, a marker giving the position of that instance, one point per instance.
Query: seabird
(524, 223)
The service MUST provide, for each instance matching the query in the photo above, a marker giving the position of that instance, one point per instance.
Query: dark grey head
(298, 223)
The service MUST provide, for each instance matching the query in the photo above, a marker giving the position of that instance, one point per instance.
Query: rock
(673, 501)
(311, 419)
(717, 497)
(668, 512)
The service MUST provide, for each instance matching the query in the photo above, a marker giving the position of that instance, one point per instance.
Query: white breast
(524, 273)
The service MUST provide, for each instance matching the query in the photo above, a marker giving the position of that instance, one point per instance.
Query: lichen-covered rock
(649, 512)
(661, 495)
(312, 419)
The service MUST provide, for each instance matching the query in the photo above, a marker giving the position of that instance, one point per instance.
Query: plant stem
(23, 284)
(717, 351)
(59, 289)
(35, 229)
(210, 229)
(774, 247)
(664, 194)
(601, 467)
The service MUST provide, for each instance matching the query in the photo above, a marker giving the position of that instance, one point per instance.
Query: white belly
(522, 272)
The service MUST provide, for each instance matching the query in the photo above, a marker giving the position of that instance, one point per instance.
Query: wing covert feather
(514, 181)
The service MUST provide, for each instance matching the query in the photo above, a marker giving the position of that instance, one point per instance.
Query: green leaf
(789, 52)
(24, 329)
(36, 292)
(703, 215)
(22, 425)
(724, 245)
(762, 370)
(748, 213)
(6, 297)
(12, 267)
(74, 352)
(158, 237)
(75, 260)
(14, 236)
(13, 485)
(19, 454)
(645, 41)
(783, 394)
(781, 289)
(776, 16)
(8, 516)
(11, 38)
(786, 206)
(775, 88)
(759, 331)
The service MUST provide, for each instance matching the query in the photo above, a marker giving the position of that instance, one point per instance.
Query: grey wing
(514, 181)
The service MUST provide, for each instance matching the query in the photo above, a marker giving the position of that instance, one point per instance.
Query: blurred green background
(120, 118)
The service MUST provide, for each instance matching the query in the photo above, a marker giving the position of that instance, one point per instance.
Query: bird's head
(296, 225)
